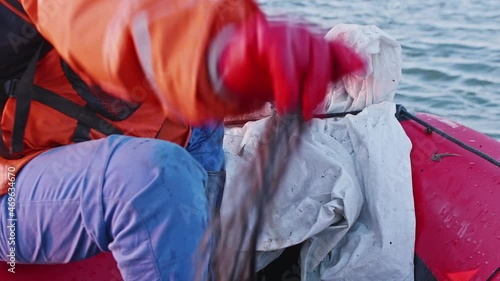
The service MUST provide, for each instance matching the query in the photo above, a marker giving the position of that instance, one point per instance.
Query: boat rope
(239, 122)
(336, 115)
(401, 111)
(493, 274)
(429, 129)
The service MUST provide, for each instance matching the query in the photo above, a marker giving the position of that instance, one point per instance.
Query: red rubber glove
(264, 60)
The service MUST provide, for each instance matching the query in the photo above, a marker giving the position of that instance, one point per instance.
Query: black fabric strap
(4, 151)
(25, 91)
(17, 5)
(82, 132)
(75, 111)
(23, 94)
(117, 109)
(86, 118)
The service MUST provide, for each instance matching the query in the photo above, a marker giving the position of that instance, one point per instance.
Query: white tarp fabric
(347, 194)
(383, 73)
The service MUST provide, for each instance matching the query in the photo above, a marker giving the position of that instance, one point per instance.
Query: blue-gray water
(451, 50)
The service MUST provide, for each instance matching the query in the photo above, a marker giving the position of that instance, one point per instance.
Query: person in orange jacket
(127, 185)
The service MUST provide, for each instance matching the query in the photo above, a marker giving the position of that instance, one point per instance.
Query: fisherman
(109, 138)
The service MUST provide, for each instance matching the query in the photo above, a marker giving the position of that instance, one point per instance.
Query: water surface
(451, 51)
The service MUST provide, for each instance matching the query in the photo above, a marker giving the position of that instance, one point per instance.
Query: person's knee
(172, 174)
(139, 162)
(157, 185)
(154, 206)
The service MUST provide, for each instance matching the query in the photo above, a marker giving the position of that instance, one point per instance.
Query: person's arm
(130, 47)
(203, 59)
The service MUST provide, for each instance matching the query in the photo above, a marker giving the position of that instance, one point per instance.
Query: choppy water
(451, 50)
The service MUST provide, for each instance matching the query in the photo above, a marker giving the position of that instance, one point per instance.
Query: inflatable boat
(456, 187)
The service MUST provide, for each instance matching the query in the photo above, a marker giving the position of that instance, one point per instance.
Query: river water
(451, 50)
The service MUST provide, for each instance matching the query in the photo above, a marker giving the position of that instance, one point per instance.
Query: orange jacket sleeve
(138, 47)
